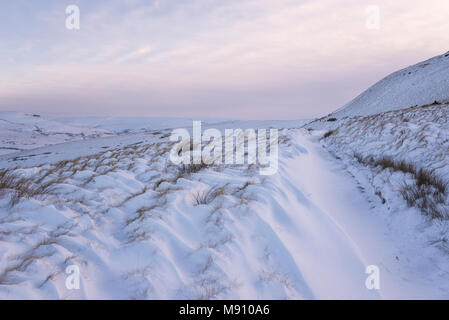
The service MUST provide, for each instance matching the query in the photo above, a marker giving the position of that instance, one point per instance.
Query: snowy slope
(20, 131)
(370, 189)
(123, 125)
(417, 85)
(387, 154)
(128, 218)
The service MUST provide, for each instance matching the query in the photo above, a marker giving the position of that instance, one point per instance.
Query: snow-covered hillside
(20, 131)
(417, 85)
(401, 159)
(369, 189)
(123, 125)
(139, 227)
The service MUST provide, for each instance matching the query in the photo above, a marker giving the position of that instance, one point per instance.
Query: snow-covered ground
(417, 85)
(368, 188)
(140, 227)
(20, 131)
(120, 125)
(386, 154)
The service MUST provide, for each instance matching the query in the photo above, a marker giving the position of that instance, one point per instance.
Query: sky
(243, 59)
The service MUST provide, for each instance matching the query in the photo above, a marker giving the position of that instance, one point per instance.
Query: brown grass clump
(429, 191)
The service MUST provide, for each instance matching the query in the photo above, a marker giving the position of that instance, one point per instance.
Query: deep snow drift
(400, 159)
(370, 188)
(139, 227)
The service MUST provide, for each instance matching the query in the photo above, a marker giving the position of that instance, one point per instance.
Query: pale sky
(248, 59)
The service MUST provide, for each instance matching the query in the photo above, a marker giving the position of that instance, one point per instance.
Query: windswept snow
(416, 136)
(139, 227)
(356, 230)
(417, 85)
(120, 125)
(371, 189)
(20, 131)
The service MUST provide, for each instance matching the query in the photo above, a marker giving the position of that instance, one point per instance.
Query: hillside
(371, 189)
(21, 131)
(139, 227)
(417, 85)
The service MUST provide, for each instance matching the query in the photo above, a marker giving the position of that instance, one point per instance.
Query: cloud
(135, 54)
(244, 58)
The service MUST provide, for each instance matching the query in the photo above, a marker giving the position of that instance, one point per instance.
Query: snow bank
(139, 227)
(417, 137)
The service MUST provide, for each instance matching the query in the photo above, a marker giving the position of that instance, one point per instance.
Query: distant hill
(417, 85)
(22, 131)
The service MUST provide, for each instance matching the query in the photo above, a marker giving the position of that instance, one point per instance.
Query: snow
(417, 135)
(417, 85)
(105, 197)
(20, 131)
(125, 217)
(120, 125)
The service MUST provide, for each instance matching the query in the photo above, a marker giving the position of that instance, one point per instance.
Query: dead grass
(275, 275)
(428, 178)
(423, 177)
(328, 134)
(209, 288)
(207, 196)
(137, 235)
(142, 213)
(430, 201)
(429, 191)
(158, 183)
(18, 186)
(187, 169)
(132, 196)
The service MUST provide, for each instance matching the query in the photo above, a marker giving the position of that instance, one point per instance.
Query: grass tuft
(208, 195)
(429, 191)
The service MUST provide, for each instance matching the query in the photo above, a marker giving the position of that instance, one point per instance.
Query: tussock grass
(328, 134)
(427, 178)
(187, 169)
(208, 195)
(428, 193)
(427, 199)
(18, 186)
(423, 177)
